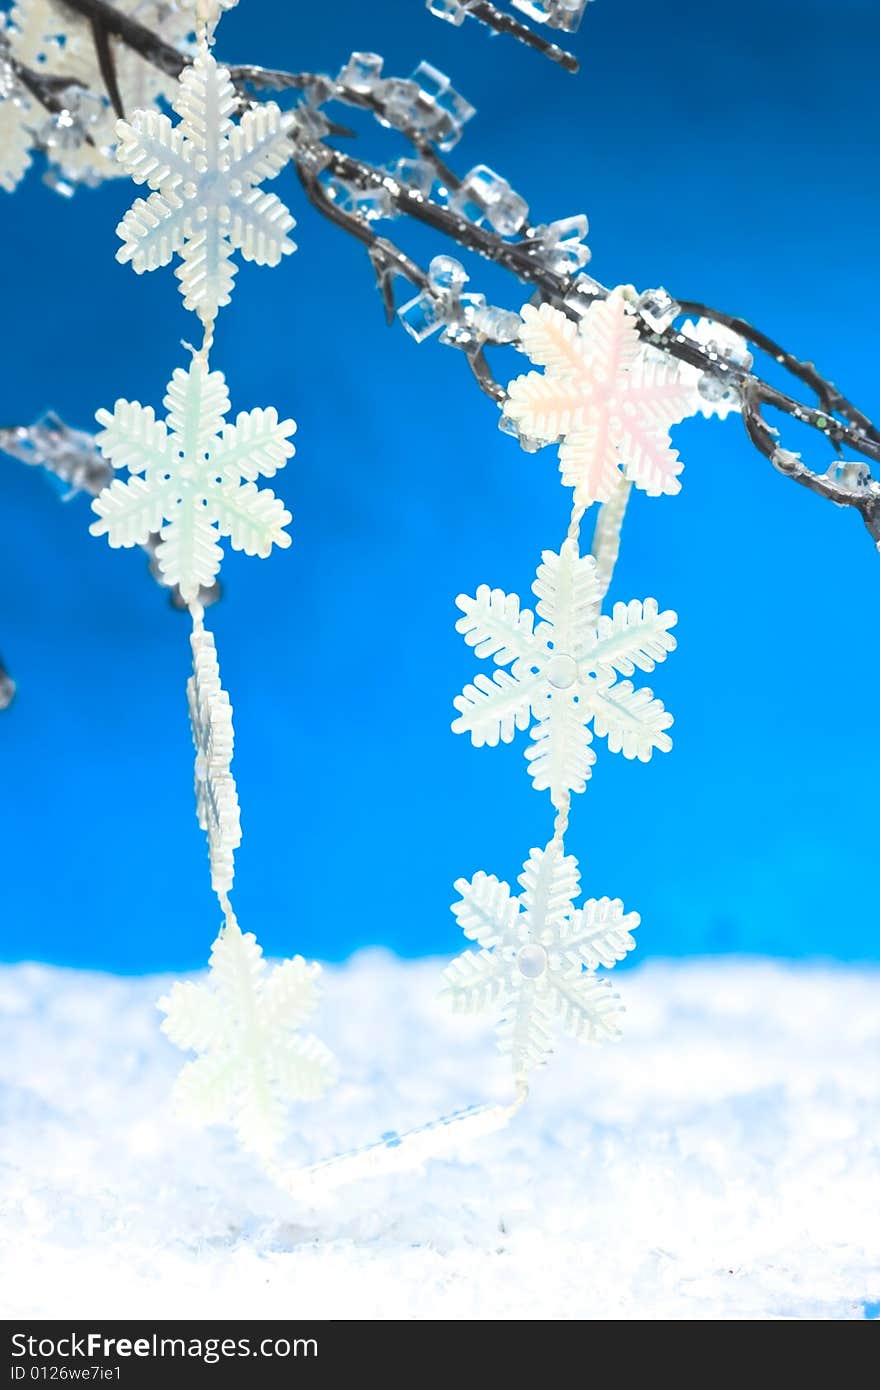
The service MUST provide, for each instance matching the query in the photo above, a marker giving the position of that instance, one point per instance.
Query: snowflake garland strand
(608, 401)
(192, 478)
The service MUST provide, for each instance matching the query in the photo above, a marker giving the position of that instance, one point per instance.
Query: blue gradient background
(727, 154)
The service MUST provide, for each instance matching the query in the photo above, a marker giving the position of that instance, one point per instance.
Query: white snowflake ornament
(608, 403)
(193, 478)
(210, 715)
(564, 673)
(538, 957)
(244, 1023)
(204, 172)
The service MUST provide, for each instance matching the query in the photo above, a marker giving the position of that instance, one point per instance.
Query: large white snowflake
(606, 401)
(538, 956)
(564, 672)
(204, 173)
(210, 715)
(187, 473)
(244, 1023)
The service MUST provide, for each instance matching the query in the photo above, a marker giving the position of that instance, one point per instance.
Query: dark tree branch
(522, 257)
(503, 23)
(101, 40)
(132, 33)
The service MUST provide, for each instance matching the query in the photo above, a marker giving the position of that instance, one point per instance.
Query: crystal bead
(711, 388)
(657, 308)
(485, 196)
(499, 325)
(453, 11)
(582, 295)
(850, 475)
(400, 97)
(416, 174)
(526, 442)
(558, 14)
(443, 111)
(362, 72)
(729, 347)
(370, 204)
(69, 127)
(447, 275)
(421, 316)
(464, 331)
(562, 244)
(55, 180)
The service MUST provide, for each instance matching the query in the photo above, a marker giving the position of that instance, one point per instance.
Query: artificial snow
(721, 1161)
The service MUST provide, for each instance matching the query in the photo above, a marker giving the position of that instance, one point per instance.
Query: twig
(503, 23)
(522, 257)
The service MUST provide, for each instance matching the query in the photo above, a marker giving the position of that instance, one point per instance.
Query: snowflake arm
(635, 635)
(197, 402)
(151, 231)
(244, 1024)
(494, 625)
(588, 1009)
(550, 882)
(150, 148)
(486, 912)
(569, 598)
(560, 758)
(473, 981)
(494, 707)
(132, 437)
(188, 554)
(129, 513)
(633, 722)
(256, 445)
(523, 1031)
(550, 339)
(253, 518)
(599, 933)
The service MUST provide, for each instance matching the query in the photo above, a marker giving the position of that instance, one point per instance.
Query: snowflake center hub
(201, 768)
(562, 670)
(531, 961)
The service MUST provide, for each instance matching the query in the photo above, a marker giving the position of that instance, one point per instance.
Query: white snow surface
(721, 1162)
